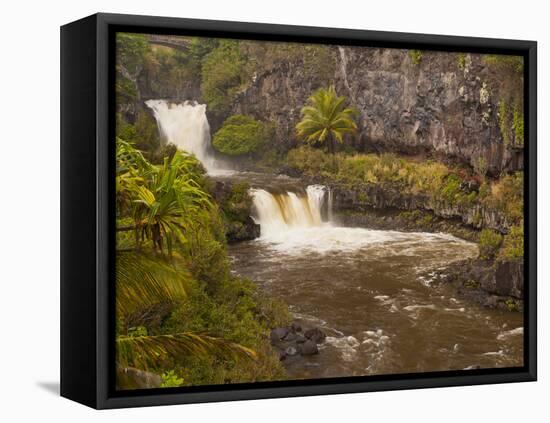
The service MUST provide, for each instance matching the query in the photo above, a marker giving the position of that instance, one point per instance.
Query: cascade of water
(316, 199)
(276, 213)
(343, 69)
(185, 125)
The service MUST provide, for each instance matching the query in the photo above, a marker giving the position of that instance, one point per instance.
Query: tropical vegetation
(326, 119)
(180, 312)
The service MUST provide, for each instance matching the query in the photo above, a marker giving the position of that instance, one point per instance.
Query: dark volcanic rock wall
(438, 105)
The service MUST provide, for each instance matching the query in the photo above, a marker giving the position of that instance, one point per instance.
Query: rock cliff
(432, 103)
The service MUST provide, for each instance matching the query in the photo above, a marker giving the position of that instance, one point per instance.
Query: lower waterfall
(281, 212)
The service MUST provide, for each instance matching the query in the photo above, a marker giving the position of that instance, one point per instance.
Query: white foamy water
(291, 222)
(506, 334)
(185, 125)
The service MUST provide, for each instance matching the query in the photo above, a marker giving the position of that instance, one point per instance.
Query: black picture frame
(87, 223)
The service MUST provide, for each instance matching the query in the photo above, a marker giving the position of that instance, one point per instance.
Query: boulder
(295, 327)
(316, 335)
(509, 278)
(289, 337)
(300, 339)
(278, 334)
(309, 348)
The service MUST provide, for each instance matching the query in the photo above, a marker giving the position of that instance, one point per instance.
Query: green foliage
(512, 246)
(504, 121)
(143, 281)
(143, 134)
(489, 243)
(416, 56)
(125, 90)
(163, 201)
(148, 352)
(518, 125)
(326, 119)
(236, 206)
(137, 331)
(506, 195)
(131, 50)
(170, 380)
(451, 188)
(505, 62)
(507, 82)
(512, 305)
(184, 316)
(461, 60)
(432, 179)
(241, 135)
(481, 166)
(224, 73)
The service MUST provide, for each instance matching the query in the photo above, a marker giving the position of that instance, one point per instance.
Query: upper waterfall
(185, 125)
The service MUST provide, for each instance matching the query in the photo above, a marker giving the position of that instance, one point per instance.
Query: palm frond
(142, 282)
(146, 352)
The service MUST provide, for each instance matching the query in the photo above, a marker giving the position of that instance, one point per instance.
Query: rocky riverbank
(293, 341)
(493, 284)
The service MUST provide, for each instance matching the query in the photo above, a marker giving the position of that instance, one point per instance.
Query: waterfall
(277, 213)
(316, 198)
(329, 205)
(343, 69)
(185, 125)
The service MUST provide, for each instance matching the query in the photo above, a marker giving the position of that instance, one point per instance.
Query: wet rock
(278, 334)
(132, 378)
(491, 301)
(290, 336)
(494, 284)
(300, 339)
(316, 335)
(472, 367)
(295, 327)
(291, 351)
(309, 348)
(509, 278)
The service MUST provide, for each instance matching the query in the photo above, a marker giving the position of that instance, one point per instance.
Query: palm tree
(326, 119)
(164, 201)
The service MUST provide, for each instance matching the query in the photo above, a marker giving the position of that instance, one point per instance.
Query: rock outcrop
(494, 284)
(384, 197)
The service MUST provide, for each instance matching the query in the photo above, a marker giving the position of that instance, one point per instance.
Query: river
(378, 295)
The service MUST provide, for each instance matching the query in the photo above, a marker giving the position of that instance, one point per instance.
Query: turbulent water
(374, 293)
(185, 125)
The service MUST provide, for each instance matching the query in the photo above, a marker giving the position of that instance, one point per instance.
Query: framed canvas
(257, 211)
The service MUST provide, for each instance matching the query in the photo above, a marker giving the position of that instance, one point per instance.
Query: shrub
(223, 74)
(507, 196)
(238, 203)
(170, 380)
(512, 246)
(432, 179)
(241, 135)
(489, 243)
(416, 56)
